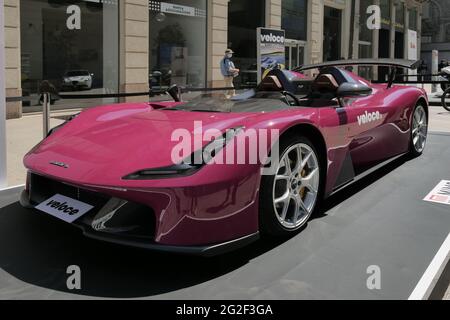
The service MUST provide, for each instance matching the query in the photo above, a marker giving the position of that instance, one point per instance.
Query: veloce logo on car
(368, 117)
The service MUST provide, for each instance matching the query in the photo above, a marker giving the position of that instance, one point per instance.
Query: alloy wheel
(296, 186)
(419, 129)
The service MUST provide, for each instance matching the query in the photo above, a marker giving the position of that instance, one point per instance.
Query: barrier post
(3, 181)
(434, 69)
(46, 113)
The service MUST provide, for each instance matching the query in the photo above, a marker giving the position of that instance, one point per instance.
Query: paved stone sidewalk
(22, 135)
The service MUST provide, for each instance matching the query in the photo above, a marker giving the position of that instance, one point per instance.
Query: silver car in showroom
(77, 79)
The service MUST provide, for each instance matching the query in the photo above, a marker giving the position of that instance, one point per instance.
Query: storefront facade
(398, 36)
(131, 45)
(177, 43)
(436, 30)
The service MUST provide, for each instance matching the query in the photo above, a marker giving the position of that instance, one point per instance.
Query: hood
(108, 143)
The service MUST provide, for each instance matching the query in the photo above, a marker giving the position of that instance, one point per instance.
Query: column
(406, 37)
(273, 14)
(3, 167)
(392, 31)
(12, 57)
(356, 26)
(110, 47)
(134, 42)
(419, 29)
(345, 32)
(315, 30)
(375, 45)
(217, 40)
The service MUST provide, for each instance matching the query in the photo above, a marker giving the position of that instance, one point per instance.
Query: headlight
(66, 80)
(190, 165)
(205, 155)
(181, 170)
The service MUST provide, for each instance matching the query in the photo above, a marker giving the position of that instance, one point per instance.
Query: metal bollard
(46, 113)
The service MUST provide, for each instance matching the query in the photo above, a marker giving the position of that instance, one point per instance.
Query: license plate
(64, 208)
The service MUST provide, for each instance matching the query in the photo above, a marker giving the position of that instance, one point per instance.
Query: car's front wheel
(289, 197)
(419, 131)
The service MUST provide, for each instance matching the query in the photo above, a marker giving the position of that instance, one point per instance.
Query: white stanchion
(434, 68)
(3, 181)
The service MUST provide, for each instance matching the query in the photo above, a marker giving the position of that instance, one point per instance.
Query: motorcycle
(445, 76)
(445, 85)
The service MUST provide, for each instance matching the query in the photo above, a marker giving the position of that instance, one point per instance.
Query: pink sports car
(213, 174)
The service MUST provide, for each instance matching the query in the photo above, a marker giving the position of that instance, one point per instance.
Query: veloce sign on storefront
(270, 50)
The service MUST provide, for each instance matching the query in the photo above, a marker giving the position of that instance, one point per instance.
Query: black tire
(269, 224)
(413, 152)
(445, 95)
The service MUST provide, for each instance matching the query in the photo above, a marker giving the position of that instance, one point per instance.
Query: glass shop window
(294, 18)
(177, 49)
(72, 44)
(244, 17)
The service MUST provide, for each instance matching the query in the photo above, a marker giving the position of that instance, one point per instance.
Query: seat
(325, 83)
(270, 83)
(324, 86)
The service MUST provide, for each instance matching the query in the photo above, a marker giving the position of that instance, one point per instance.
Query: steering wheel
(290, 94)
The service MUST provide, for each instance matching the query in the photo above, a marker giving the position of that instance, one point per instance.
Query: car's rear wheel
(289, 197)
(419, 131)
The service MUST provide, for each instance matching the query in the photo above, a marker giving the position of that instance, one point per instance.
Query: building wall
(273, 14)
(134, 39)
(315, 30)
(12, 57)
(217, 40)
(436, 25)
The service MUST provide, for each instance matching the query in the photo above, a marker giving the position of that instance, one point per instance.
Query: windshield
(210, 103)
(77, 73)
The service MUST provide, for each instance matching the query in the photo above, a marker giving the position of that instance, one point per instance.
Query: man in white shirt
(229, 72)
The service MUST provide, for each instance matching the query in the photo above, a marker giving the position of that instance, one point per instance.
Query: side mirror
(348, 89)
(92, 74)
(175, 92)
